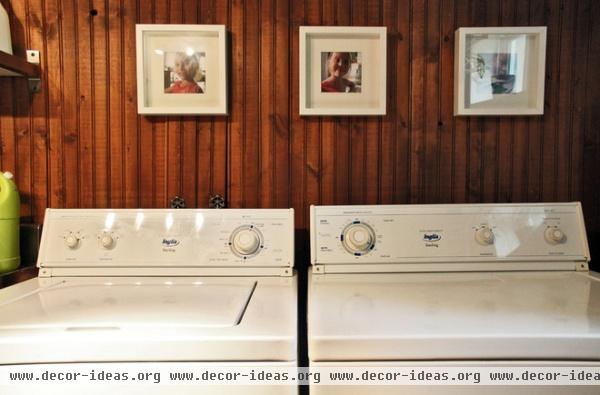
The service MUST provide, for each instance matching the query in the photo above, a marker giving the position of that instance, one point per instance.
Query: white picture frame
(181, 69)
(361, 90)
(499, 70)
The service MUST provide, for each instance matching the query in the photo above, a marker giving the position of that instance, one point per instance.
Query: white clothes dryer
(478, 285)
(139, 286)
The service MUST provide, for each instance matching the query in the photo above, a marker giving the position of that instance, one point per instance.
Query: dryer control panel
(153, 238)
(454, 234)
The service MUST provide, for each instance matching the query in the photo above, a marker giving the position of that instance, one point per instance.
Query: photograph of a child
(185, 72)
(341, 72)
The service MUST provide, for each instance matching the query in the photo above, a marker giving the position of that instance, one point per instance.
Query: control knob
(245, 241)
(107, 241)
(554, 235)
(72, 241)
(358, 238)
(484, 236)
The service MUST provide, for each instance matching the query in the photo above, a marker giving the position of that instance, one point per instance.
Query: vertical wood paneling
(188, 166)
(579, 76)
(358, 146)
(328, 127)
(39, 122)
(267, 88)
(204, 131)
(591, 146)
(174, 136)
(402, 122)
(520, 142)
(236, 148)
(372, 131)
(220, 13)
(446, 81)
(505, 131)
(489, 131)
(417, 100)
(252, 96)
(147, 133)
(99, 25)
(297, 142)
(387, 170)
(131, 135)
(115, 104)
(56, 190)
(86, 165)
(282, 108)
(432, 152)
(554, 20)
(312, 129)
(80, 142)
(460, 142)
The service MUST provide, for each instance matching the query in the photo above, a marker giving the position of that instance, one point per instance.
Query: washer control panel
(447, 233)
(157, 238)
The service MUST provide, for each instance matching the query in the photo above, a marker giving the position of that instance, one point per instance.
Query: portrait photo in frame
(343, 70)
(499, 70)
(181, 69)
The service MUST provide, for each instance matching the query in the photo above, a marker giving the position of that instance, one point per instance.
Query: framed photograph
(499, 70)
(342, 70)
(181, 69)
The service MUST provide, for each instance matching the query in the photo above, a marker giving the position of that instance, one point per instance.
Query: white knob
(245, 241)
(358, 238)
(8, 175)
(72, 241)
(107, 241)
(484, 236)
(554, 235)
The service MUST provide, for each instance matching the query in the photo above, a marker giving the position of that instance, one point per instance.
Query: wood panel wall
(80, 143)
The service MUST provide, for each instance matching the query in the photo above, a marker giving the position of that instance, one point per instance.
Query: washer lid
(454, 316)
(153, 302)
(113, 319)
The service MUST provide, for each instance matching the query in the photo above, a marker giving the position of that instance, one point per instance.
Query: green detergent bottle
(9, 224)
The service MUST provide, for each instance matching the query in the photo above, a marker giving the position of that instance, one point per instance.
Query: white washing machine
(143, 286)
(455, 286)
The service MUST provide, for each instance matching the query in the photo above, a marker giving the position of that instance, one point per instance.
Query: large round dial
(554, 235)
(246, 241)
(484, 236)
(358, 238)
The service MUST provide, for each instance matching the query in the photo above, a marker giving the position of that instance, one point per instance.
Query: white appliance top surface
(437, 316)
(148, 318)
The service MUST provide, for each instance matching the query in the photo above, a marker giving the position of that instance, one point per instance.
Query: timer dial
(358, 238)
(554, 235)
(484, 236)
(246, 241)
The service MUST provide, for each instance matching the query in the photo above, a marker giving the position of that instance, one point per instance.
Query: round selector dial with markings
(246, 241)
(358, 238)
(484, 236)
(554, 235)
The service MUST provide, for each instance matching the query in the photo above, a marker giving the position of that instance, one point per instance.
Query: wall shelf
(13, 66)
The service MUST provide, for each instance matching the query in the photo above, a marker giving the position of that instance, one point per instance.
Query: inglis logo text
(431, 237)
(170, 242)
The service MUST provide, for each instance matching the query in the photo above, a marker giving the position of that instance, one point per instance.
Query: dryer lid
(454, 316)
